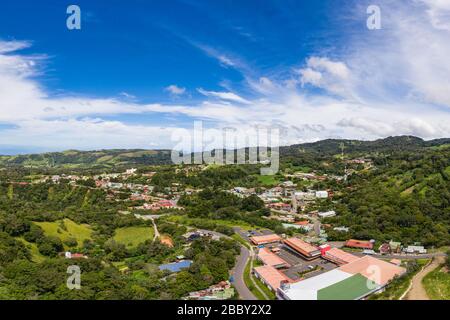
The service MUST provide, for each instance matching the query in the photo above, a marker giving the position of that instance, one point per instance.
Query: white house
(322, 194)
(327, 214)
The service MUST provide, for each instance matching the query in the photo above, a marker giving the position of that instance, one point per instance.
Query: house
(396, 247)
(415, 249)
(327, 214)
(384, 248)
(131, 171)
(359, 244)
(280, 206)
(341, 229)
(220, 291)
(322, 194)
(70, 255)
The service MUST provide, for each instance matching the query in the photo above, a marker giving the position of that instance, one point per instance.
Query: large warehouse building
(352, 281)
(308, 251)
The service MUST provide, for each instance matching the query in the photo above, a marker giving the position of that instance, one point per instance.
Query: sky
(138, 71)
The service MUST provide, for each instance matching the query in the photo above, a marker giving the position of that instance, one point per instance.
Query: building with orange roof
(306, 249)
(352, 281)
(339, 256)
(265, 239)
(271, 259)
(379, 271)
(270, 276)
(360, 244)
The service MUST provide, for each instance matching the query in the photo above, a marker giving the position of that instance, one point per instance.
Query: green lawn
(249, 283)
(132, 236)
(80, 232)
(437, 284)
(268, 180)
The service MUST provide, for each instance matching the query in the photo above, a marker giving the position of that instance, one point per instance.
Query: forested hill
(127, 157)
(387, 145)
(83, 159)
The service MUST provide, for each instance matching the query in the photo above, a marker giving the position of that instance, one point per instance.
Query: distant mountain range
(124, 157)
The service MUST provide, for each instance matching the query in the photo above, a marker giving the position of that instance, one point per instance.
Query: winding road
(238, 275)
(239, 268)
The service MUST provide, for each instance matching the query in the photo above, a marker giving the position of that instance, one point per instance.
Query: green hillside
(89, 159)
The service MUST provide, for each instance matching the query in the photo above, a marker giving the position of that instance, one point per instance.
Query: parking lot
(300, 265)
(254, 232)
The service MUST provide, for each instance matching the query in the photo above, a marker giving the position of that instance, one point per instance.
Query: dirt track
(417, 291)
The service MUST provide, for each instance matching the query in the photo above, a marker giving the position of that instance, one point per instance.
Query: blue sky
(138, 69)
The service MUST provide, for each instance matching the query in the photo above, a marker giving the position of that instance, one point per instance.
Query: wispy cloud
(175, 90)
(387, 82)
(230, 96)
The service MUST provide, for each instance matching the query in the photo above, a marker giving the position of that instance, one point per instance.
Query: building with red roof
(360, 244)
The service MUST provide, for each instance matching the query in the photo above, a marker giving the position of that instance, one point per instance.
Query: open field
(437, 284)
(66, 229)
(132, 236)
(268, 180)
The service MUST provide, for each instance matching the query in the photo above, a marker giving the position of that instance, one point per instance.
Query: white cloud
(230, 96)
(333, 76)
(11, 46)
(175, 90)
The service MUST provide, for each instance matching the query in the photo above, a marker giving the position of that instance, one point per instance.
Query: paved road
(238, 270)
(238, 275)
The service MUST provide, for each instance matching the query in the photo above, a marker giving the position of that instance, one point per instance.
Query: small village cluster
(306, 266)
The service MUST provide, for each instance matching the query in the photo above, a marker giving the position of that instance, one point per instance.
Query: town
(287, 234)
